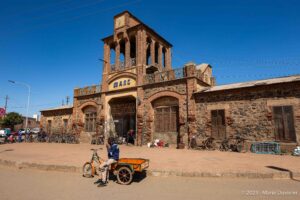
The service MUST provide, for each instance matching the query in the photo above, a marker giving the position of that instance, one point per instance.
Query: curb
(156, 173)
(246, 175)
(43, 167)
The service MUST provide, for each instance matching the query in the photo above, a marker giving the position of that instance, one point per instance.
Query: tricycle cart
(124, 169)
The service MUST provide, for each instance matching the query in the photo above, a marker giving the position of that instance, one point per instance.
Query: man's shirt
(114, 152)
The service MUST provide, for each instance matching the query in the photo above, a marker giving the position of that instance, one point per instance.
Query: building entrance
(123, 113)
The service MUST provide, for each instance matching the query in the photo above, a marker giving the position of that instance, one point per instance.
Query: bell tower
(134, 45)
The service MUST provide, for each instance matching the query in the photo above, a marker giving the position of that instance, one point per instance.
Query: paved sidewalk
(163, 161)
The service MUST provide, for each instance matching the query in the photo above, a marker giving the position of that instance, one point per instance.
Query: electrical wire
(76, 18)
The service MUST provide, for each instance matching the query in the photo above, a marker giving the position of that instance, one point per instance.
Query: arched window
(133, 50)
(156, 52)
(164, 57)
(148, 54)
(122, 54)
(90, 116)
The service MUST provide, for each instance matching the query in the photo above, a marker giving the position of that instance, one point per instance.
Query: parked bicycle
(97, 139)
(207, 144)
(232, 144)
(238, 144)
(224, 146)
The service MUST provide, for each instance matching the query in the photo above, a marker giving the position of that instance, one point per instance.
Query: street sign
(2, 112)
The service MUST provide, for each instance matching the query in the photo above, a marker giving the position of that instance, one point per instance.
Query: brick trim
(127, 74)
(165, 94)
(89, 103)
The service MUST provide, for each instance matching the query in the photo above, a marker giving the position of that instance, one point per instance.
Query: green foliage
(11, 119)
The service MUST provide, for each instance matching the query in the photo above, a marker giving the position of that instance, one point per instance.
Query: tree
(11, 119)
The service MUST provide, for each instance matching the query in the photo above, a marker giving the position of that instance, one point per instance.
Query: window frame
(90, 121)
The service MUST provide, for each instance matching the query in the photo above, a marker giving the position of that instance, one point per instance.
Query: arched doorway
(166, 115)
(123, 115)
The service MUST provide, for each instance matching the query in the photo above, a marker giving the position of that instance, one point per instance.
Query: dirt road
(30, 185)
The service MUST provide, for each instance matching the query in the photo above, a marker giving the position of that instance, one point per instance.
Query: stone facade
(248, 111)
(152, 97)
(58, 120)
(32, 123)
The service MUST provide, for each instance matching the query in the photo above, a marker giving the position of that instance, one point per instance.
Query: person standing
(20, 136)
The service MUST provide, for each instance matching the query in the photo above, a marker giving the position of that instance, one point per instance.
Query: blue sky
(55, 45)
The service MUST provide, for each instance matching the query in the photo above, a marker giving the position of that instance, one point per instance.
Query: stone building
(141, 91)
(31, 123)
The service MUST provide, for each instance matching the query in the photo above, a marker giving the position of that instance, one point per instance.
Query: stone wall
(178, 86)
(57, 118)
(248, 111)
(32, 123)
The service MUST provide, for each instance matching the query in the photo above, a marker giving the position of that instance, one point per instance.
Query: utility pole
(28, 99)
(68, 98)
(62, 103)
(6, 101)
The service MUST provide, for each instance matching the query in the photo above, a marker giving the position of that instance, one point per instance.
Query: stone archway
(181, 115)
(165, 125)
(121, 116)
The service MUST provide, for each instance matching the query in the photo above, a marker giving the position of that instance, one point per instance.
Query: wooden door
(284, 123)
(166, 119)
(218, 124)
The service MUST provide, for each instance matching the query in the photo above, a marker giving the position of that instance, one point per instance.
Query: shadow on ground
(284, 170)
(6, 150)
(137, 177)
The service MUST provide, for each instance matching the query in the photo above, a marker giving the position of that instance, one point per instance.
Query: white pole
(27, 109)
(28, 100)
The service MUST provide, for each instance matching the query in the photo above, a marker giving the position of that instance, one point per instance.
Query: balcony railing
(157, 77)
(122, 65)
(94, 89)
(133, 62)
(112, 67)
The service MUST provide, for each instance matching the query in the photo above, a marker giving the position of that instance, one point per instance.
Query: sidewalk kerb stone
(155, 172)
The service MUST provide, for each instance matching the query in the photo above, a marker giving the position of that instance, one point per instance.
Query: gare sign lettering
(121, 83)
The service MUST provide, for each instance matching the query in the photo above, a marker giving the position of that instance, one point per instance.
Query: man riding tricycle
(122, 168)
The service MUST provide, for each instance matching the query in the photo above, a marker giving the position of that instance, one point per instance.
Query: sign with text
(122, 83)
(2, 112)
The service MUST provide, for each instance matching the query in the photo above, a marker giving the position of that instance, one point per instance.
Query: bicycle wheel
(87, 170)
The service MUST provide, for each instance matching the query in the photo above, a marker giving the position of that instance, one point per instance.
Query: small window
(49, 126)
(218, 130)
(65, 125)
